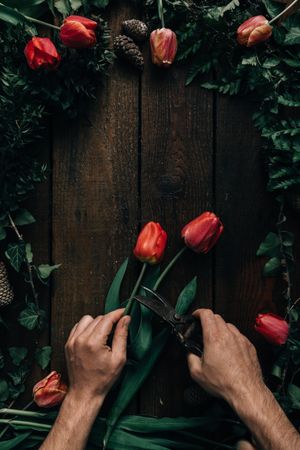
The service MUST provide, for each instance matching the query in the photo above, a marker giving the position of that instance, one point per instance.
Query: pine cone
(126, 49)
(136, 29)
(6, 293)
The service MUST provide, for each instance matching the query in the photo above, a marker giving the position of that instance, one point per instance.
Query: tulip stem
(42, 426)
(168, 268)
(135, 290)
(41, 22)
(161, 12)
(283, 12)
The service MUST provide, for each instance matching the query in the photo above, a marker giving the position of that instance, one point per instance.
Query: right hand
(229, 366)
(93, 366)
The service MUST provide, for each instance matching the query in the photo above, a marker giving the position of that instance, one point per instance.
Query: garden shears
(186, 328)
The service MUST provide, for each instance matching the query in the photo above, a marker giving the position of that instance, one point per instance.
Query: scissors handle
(192, 336)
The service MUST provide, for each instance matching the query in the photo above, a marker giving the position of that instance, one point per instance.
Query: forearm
(267, 422)
(73, 424)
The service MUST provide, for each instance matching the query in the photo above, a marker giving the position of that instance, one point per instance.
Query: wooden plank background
(153, 149)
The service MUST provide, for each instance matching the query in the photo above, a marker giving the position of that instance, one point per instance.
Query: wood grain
(95, 171)
(176, 186)
(245, 208)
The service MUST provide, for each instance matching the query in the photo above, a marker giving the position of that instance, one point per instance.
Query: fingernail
(126, 321)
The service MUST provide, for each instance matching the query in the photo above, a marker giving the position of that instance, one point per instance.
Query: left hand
(93, 366)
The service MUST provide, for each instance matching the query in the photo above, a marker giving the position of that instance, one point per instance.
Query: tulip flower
(151, 243)
(254, 30)
(201, 234)
(163, 44)
(272, 327)
(41, 53)
(50, 391)
(78, 32)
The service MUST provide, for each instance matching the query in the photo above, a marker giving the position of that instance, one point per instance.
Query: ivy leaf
(31, 317)
(100, 3)
(18, 376)
(293, 36)
(4, 391)
(43, 356)
(63, 6)
(17, 354)
(23, 217)
(272, 267)
(15, 391)
(112, 300)
(2, 233)
(45, 270)
(75, 4)
(270, 246)
(28, 252)
(15, 253)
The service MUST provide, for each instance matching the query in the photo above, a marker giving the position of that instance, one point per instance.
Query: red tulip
(41, 53)
(254, 30)
(78, 32)
(272, 327)
(50, 391)
(151, 243)
(202, 233)
(163, 43)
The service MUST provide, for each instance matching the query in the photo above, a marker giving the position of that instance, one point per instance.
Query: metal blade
(163, 310)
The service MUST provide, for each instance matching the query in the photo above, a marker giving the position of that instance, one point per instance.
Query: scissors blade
(158, 305)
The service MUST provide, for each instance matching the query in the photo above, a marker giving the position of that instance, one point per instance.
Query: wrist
(246, 398)
(79, 398)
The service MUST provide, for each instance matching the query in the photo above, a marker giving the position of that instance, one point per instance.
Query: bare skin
(93, 368)
(229, 368)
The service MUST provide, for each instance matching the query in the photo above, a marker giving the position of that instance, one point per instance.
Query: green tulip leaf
(10, 15)
(112, 300)
(186, 297)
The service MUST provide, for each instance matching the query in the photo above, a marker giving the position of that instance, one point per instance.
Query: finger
(119, 343)
(195, 365)
(88, 331)
(245, 445)
(208, 323)
(220, 324)
(233, 329)
(104, 328)
(72, 332)
(82, 324)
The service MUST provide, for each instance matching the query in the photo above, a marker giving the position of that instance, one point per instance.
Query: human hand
(93, 366)
(229, 366)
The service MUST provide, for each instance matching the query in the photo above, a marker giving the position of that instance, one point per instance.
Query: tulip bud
(78, 32)
(151, 243)
(272, 327)
(41, 53)
(202, 233)
(254, 30)
(50, 391)
(163, 43)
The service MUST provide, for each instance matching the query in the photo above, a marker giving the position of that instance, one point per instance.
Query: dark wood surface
(152, 149)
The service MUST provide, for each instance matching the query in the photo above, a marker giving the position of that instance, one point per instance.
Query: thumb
(245, 445)
(119, 343)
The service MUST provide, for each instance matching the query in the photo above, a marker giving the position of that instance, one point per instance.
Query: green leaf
(17, 354)
(133, 380)
(293, 36)
(2, 361)
(112, 300)
(10, 15)
(63, 6)
(45, 270)
(100, 3)
(294, 395)
(272, 267)
(43, 356)
(28, 252)
(15, 253)
(30, 317)
(75, 4)
(19, 375)
(15, 442)
(186, 297)
(270, 246)
(2, 233)
(23, 217)
(4, 392)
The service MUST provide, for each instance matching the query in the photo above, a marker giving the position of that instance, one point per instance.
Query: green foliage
(207, 44)
(15, 253)
(186, 297)
(112, 300)
(17, 354)
(31, 317)
(43, 356)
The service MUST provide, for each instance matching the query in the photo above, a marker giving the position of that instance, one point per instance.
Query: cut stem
(42, 426)
(168, 268)
(41, 22)
(135, 289)
(161, 12)
(283, 12)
